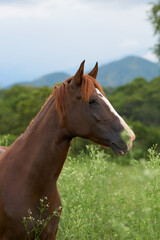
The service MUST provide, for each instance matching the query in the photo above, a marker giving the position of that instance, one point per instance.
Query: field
(105, 200)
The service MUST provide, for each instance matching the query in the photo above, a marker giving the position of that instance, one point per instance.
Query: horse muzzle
(122, 146)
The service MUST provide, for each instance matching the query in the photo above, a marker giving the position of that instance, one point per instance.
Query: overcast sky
(43, 36)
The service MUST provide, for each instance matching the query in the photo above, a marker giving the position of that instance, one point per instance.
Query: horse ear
(94, 71)
(77, 79)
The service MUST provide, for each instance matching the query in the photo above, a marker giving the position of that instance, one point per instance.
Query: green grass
(105, 200)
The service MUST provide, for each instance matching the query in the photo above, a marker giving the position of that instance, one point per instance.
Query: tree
(154, 17)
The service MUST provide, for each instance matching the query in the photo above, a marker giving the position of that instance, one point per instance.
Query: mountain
(113, 74)
(47, 80)
(125, 70)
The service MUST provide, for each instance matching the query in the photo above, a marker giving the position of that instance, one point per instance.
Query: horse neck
(47, 144)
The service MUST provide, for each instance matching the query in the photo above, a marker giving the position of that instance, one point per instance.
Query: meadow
(109, 198)
(103, 196)
(105, 200)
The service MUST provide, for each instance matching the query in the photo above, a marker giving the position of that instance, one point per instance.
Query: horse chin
(117, 150)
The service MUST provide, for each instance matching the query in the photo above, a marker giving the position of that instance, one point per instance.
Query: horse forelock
(88, 85)
(62, 93)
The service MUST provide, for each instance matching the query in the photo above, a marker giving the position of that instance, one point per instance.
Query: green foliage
(6, 140)
(103, 200)
(18, 106)
(35, 227)
(154, 17)
(137, 102)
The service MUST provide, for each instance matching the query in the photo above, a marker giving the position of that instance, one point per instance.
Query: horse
(30, 167)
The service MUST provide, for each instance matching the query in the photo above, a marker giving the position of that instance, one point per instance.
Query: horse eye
(92, 101)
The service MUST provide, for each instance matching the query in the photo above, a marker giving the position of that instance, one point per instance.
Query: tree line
(137, 102)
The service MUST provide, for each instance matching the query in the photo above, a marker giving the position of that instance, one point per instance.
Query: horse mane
(61, 93)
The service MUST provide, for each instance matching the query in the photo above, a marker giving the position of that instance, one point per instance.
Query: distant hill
(125, 70)
(47, 80)
(113, 74)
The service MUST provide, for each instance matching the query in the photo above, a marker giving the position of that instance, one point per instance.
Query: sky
(38, 37)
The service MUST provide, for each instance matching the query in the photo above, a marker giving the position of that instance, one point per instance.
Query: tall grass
(104, 200)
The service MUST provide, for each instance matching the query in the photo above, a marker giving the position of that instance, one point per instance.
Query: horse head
(86, 112)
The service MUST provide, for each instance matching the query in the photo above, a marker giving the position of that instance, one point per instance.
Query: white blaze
(124, 124)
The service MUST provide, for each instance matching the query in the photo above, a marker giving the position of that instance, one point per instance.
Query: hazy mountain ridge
(47, 80)
(113, 74)
(125, 70)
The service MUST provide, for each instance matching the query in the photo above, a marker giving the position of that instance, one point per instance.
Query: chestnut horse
(30, 167)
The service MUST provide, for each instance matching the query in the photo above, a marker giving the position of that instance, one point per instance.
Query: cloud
(16, 12)
(129, 43)
(38, 8)
(22, 2)
(118, 4)
(115, 3)
(121, 2)
(41, 36)
(150, 56)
